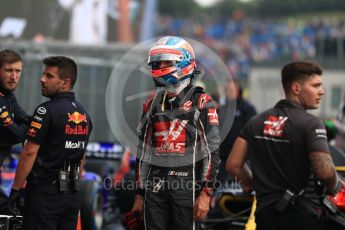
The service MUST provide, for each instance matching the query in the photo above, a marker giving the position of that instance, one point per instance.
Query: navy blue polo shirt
(62, 128)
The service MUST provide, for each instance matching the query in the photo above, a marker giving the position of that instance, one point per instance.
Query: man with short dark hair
(288, 151)
(52, 157)
(13, 119)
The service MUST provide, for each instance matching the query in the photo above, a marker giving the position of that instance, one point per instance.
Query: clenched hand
(202, 205)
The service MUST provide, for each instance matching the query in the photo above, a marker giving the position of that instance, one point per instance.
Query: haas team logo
(274, 126)
(170, 136)
(187, 106)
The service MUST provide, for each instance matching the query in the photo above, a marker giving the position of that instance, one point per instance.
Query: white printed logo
(41, 110)
(37, 118)
(75, 145)
(318, 131)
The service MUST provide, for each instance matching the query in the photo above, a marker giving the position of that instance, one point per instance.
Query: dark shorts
(47, 208)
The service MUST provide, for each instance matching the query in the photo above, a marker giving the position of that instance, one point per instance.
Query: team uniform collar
(67, 95)
(5, 92)
(288, 103)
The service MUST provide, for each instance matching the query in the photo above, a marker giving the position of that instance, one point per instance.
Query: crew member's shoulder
(311, 119)
(83, 110)
(261, 117)
(247, 106)
(43, 108)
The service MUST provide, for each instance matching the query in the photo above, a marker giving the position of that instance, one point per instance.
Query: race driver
(178, 151)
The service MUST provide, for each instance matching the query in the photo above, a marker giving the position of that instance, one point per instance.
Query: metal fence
(95, 65)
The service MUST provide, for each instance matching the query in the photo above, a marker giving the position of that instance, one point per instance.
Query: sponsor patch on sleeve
(8, 121)
(213, 116)
(36, 125)
(41, 110)
(203, 99)
(31, 132)
(322, 133)
(187, 106)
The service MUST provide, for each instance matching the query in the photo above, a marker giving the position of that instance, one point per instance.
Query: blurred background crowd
(241, 32)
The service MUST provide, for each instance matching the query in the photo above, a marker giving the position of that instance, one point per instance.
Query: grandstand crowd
(241, 41)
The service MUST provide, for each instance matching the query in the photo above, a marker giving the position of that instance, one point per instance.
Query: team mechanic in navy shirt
(52, 157)
(288, 151)
(13, 119)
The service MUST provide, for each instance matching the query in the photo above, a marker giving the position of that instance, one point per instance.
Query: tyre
(91, 205)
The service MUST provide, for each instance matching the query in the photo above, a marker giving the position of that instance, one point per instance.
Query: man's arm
(208, 124)
(141, 168)
(13, 132)
(324, 170)
(236, 164)
(26, 161)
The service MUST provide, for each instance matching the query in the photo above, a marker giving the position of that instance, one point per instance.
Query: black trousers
(169, 210)
(295, 217)
(47, 208)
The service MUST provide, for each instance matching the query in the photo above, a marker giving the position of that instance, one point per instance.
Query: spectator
(244, 111)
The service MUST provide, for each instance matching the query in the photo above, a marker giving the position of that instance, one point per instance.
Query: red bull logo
(31, 132)
(77, 128)
(77, 118)
(8, 121)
